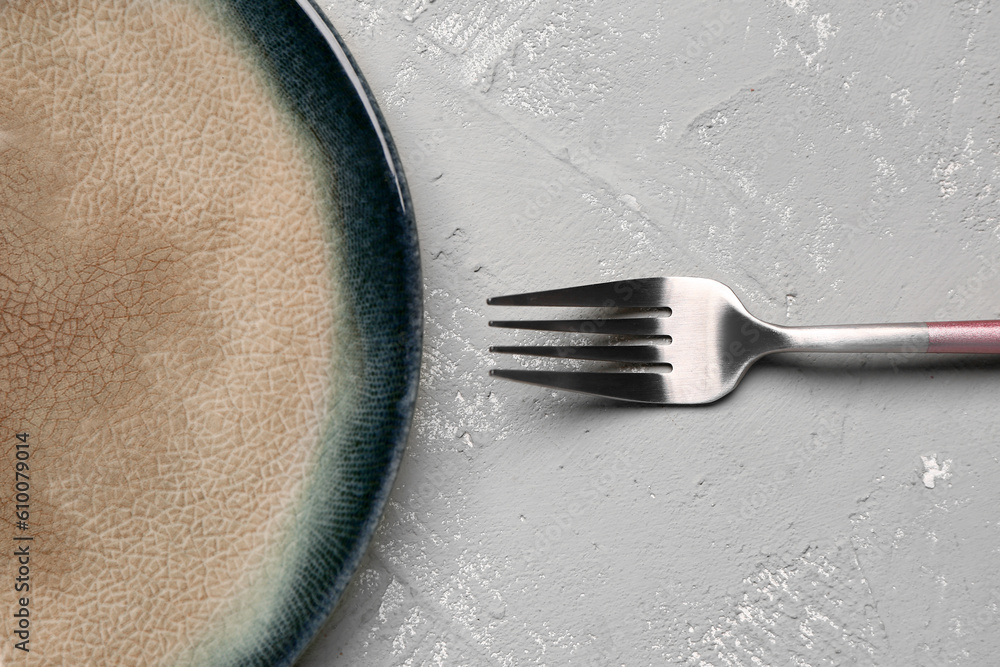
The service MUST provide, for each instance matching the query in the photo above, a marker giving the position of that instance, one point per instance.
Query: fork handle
(975, 337)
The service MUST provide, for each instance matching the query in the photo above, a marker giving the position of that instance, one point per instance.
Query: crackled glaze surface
(166, 323)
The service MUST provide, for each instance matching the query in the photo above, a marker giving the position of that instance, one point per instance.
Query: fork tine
(625, 354)
(623, 326)
(642, 293)
(637, 387)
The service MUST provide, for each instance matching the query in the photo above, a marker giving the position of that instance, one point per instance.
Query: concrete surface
(832, 162)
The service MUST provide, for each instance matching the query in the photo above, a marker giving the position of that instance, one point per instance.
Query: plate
(211, 328)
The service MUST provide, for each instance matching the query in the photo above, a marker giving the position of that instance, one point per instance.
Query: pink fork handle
(978, 337)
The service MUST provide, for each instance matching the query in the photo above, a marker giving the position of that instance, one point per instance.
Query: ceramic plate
(210, 328)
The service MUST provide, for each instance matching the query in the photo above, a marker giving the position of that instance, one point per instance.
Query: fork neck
(909, 338)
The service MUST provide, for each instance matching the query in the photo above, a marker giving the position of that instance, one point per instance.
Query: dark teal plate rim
(326, 91)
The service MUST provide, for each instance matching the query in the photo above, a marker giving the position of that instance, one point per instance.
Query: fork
(703, 339)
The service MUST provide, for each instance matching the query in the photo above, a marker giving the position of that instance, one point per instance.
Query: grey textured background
(833, 163)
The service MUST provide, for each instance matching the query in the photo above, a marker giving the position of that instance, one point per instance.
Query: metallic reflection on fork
(702, 339)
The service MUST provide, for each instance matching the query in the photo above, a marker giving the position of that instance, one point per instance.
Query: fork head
(701, 337)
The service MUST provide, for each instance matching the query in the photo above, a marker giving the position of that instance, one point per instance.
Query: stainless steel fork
(703, 339)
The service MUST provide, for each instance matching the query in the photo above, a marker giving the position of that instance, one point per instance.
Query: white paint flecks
(934, 471)
(480, 33)
(824, 29)
(817, 598)
(800, 6)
